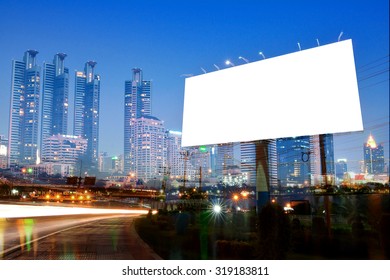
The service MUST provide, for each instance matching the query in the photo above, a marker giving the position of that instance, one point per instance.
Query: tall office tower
(137, 104)
(150, 152)
(294, 161)
(55, 91)
(316, 170)
(225, 158)
(248, 162)
(174, 153)
(24, 111)
(86, 112)
(341, 168)
(79, 107)
(374, 157)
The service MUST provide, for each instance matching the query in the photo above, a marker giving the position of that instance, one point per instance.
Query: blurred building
(294, 161)
(3, 151)
(316, 168)
(175, 160)
(341, 168)
(374, 157)
(224, 158)
(110, 164)
(64, 149)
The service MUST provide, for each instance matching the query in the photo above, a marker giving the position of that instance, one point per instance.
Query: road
(73, 237)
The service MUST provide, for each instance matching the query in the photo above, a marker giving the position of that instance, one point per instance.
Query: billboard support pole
(325, 181)
(262, 174)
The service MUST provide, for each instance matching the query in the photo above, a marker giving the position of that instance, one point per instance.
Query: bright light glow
(286, 96)
(19, 211)
(217, 209)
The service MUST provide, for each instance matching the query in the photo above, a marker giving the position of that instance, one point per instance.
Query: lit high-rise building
(341, 168)
(24, 111)
(316, 169)
(137, 105)
(55, 91)
(86, 111)
(225, 158)
(294, 161)
(150, 150)
(248, 162)
(3, 151)
(64, 149)
(175, 160)
(374, 157)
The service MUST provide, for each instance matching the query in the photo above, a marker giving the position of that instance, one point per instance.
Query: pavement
(104, 239)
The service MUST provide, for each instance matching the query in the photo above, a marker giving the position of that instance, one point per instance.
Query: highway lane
(72, 237)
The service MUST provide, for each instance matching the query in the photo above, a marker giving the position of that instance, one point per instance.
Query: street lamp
(228, 62)
(244, 59)
(217, 208)
(261, 53)
(216, 66)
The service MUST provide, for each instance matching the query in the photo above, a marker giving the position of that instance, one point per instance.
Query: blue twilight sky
(168, 39)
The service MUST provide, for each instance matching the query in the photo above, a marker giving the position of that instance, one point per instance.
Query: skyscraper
(341, 168)
(225, 158)
(3, 151)
(374, 157)
(294, 161)
(137, 105)
(174, 154)
(55, 91)
(86, 112)
(248, 161)
(24, 111)
(150, 149)
(318, 164)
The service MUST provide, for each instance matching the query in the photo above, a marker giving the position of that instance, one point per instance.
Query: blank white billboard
(308, 92)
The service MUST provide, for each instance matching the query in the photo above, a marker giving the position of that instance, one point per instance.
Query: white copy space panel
(308, 92)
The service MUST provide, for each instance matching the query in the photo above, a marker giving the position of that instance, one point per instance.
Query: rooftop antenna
(299, 46)
(204, 71)
(244, 59)
(318, 42)
(261, 53)
(216, 66)
(341, 34)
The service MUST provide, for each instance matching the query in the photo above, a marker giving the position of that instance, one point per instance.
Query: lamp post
(228, 62)
(244, 59)
(261, 53)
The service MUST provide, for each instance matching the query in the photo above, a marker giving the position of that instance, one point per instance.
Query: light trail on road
(22, 211)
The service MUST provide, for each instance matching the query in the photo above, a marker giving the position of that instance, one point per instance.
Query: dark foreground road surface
(101, 238)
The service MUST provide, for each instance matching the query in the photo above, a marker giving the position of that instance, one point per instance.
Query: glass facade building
(55, 94)
(137, 105)
(374, 157)
(86, 111)
(24, 111)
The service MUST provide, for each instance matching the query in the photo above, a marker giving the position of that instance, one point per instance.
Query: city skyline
(178, 40)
